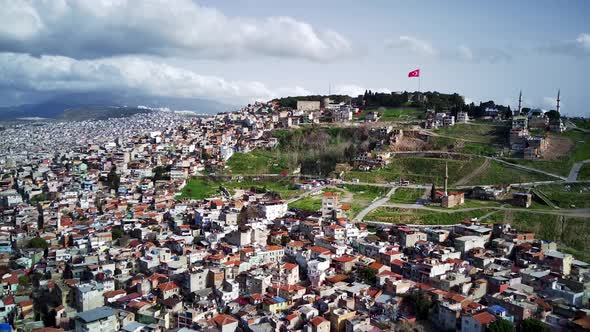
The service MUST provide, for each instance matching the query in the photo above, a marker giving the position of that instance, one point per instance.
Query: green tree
(285, 239)
(38, 242)
(113, 179)
(24, 281)
(553, 115)
(421, 304)
(369, 274)
(501, 325)
(533, 325)
(117, 233)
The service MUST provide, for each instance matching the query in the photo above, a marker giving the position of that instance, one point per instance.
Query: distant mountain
(81, 106)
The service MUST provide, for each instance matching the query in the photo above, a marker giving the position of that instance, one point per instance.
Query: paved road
(305, 194)
(575, 171)
(528, 168)
(361, 215)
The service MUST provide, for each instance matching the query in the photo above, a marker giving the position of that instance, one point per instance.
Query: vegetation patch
(406, 195)
(499, 173)
(568, 195)
(422, 217)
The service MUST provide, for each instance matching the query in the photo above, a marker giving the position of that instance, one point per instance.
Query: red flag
(414, 73)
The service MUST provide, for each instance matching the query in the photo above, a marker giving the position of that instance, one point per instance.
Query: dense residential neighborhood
(95, 235)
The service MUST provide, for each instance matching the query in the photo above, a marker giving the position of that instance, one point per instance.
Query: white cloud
(103, 28)
(412, 44)
(129, 74)
(579, 47)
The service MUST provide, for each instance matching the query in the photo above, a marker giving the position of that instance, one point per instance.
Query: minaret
(520, 102)
(446, 178)
(557, 107)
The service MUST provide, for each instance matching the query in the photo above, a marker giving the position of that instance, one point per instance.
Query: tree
(117, 233)
(24, 280)
(553, 115)
(285, 239)
(501, 325)
(421, 304)
(38, 242)
(369, 274)
(533, 325)
(113, 179)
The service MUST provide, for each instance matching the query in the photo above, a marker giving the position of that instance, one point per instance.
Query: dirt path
(478, 171)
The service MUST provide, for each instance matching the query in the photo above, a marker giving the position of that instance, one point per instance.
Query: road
(361, 215)
(575, 171)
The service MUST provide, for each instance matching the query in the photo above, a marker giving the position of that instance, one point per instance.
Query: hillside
(82, 106)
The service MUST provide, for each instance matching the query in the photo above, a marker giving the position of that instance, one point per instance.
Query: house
(477, 323)
(225, 323)
(101, 319)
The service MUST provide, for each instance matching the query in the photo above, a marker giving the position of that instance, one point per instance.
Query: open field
(423, 217)
(356, 196)
(584, 173)
(568, 195)
(200, 188)
(406, 195)
(480, 132)
(418, 170)
(258, 162)
(428, 170)
(498, 173)
(396, 114)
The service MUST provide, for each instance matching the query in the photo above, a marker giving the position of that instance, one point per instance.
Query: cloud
(104, 28)
(461, 53)
(412, 44)
(56, 74)
(492, 55)
(579, 47)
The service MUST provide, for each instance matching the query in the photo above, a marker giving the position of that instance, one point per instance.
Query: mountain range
(82, 106)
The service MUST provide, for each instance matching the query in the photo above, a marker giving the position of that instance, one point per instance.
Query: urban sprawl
(95, 235)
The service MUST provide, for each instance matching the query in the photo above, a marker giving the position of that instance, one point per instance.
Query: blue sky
(237, 51)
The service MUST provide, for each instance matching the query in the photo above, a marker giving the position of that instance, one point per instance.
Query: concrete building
(101, 319)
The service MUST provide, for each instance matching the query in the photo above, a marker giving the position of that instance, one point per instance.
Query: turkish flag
(414, 73)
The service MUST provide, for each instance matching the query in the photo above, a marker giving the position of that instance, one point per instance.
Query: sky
(244, 50)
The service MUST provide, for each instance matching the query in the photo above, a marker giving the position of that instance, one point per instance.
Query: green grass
(584, 124)
(428, 170)
(498, 173)
(310, 203)
(486, 133)
(422, 217)
(406, 195)
(584, 173)
(258, 162)
(568, 195)
(418, 170)
(200, 188)
(402, 113)
(357, 196)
